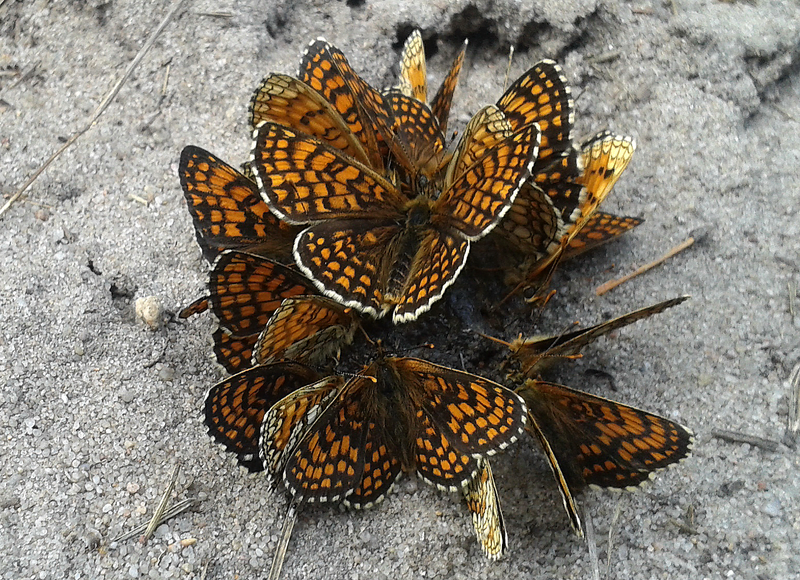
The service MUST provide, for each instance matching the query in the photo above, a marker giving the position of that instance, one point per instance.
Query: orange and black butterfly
(552, 217)
(400, 414)
(533, 354)
(227, 210)
(235, 408)
(372, 248)
(589, 440)
(592, 441)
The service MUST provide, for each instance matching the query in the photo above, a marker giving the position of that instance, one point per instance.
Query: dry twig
(610, 285)
(100, 108)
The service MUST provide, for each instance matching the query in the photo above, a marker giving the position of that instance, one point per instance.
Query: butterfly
(533, 354)
(227, 210)
(556, 218)
(568, 182)
(399, 414)
(592, 441)
(369, 246)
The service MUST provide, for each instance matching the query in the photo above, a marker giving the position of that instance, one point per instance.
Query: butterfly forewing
(413, 74)
(530, 352)
(440, 106)
(333, 78)
(477, 416)
(304, 180)
(235, 407)
(485, 131)
(605, 156)
(542, 96)
(477, 199)
(290, 102)
(246, 290)
(226, 208)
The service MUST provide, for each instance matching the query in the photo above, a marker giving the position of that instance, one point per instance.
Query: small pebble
(132, 488)
(148, 310)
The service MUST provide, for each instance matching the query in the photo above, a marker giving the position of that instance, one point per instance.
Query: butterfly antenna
(283, 543)
(508, 68)
(493, 339)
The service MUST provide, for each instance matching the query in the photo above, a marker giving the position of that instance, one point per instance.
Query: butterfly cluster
(352, 218)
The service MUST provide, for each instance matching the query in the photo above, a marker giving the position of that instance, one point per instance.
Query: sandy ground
(96, 409)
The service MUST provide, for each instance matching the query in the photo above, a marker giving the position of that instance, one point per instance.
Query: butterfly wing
(291, 102)
(306, 329)
(305, 180)
(246, 289)
(227, 210)
(542, 96)
(483, 502)
(235, 407)
(599, 229)
(440, 106)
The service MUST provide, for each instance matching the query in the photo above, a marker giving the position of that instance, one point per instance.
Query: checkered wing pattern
(598, 442)
(325, 69)
(533, 352)
(436, 266)
(438, 462)
(306, 329)
(542, 96)
(291, 102)
(477, 416)
(233, 352)
(440, 106)
(484, 192)
(487, 129)
(246, 289)
(599, 229)
(328, 463)
(235, 407)
(413, 73)
(483, 502)
(227, 210)
(288, 420)
(414, 134)
(605, 156)
(402, 414)
(304, 180)
(381, 469)
(349, 261)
